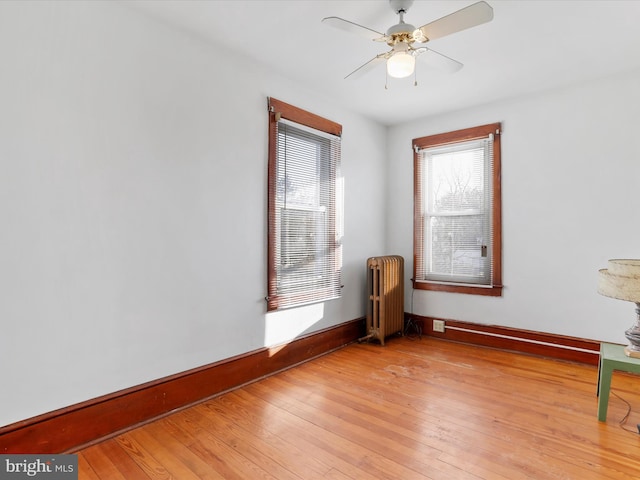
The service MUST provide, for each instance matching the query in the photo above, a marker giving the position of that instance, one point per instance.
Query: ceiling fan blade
(367, 67)
(437, 60)
(351, 27)
(468, 17)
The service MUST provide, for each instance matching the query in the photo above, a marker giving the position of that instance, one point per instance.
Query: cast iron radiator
(385, 289)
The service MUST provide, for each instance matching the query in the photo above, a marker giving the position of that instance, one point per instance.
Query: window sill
(494, 291)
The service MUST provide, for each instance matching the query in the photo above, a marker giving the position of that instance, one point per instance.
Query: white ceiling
(531, 45)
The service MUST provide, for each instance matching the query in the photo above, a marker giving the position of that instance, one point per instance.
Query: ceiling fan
(407, 42)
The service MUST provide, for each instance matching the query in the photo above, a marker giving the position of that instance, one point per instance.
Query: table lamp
(621, 280)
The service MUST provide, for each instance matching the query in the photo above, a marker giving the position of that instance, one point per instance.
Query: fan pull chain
(386, 79)
(415, 77)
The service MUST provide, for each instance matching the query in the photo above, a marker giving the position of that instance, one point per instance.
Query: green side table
(612, 357)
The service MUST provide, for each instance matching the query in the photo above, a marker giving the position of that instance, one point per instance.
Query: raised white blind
(456, 239)
(307, 246)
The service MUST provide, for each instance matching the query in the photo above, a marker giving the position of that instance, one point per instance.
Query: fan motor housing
(402, 32)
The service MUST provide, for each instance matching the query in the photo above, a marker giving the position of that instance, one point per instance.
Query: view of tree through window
(457, 218)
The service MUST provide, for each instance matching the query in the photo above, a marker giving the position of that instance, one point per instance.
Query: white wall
(133, 165)
(570, 171)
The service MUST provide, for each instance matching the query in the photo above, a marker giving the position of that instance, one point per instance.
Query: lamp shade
(401, 64)
(621, 280)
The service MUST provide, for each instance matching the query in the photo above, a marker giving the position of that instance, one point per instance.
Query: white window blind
(456, 239)
(303, 217)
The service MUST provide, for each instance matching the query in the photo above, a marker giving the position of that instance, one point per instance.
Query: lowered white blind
(307, 250)
(457, 237)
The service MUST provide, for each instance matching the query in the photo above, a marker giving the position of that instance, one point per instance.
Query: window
(457, 218)
(304, 251)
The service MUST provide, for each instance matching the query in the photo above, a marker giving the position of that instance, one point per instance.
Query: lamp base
(633, 335)
(630, 352)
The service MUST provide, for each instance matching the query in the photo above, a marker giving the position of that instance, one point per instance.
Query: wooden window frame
(277, 110)
(448, 138)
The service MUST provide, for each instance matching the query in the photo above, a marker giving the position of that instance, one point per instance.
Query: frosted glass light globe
(401, 65)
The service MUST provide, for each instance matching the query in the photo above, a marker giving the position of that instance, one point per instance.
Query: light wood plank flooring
(413, 409)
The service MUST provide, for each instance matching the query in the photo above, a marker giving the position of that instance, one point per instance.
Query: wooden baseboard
(506, 338)
(67, 429)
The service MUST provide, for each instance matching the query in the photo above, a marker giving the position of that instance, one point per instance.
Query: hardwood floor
(415, 408)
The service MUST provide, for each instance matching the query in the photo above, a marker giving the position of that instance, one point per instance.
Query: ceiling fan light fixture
(400, 37)
(401, 64)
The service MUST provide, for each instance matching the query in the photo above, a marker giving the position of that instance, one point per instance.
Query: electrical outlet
(438, 326)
